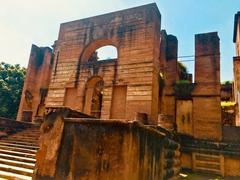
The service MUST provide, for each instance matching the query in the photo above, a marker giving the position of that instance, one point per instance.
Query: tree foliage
(11, 84)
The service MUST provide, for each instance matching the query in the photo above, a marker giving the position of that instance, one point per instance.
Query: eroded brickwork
(170, 75)
(136, 35)
(206, 94)
(32, 104)
(236, 65)
(139, 85)
(236, 33)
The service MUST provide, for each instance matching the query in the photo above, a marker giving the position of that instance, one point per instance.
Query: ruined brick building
(141, 83)
(236, 64)
(125, 85)
(140, 79)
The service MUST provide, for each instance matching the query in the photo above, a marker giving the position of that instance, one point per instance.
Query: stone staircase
(17, 154)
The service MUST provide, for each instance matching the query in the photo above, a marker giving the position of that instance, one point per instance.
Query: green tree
(11, 84)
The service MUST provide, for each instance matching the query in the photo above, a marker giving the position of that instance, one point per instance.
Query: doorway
(96, 103)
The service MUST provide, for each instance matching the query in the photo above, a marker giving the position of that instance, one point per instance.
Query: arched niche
(93, 96)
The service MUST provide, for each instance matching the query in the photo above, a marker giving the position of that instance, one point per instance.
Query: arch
(92, 81)
(93, 96)
(107, 52)
(93, 46)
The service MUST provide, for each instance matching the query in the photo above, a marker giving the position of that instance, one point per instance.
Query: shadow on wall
(76, 148)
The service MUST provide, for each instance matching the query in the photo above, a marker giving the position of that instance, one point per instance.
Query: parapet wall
(85, 148)
(10, 126)
(213, 157)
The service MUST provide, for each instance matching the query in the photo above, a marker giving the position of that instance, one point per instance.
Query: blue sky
(37, 21)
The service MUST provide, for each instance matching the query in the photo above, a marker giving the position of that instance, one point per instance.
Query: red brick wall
(37, 77)
(136, 35)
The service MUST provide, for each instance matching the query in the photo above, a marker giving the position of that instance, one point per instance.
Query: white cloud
(26, 22)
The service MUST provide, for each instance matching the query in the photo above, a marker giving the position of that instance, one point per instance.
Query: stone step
(17, 163)
(18, 153)
(29, 133)
(29, 140)
(17, 149)
(13, 176)
(14, 141)
(17, 158)
(25, 140)
(207, 163)
(17, 170)
(15, 153)
(208, 170)
(9, 144)
(25, 136)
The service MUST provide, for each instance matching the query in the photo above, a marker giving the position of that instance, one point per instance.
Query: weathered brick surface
(206, 94)
(37, 78)
(236, 64)
(79, 148)
(168, 68)
(232, 166)
(207, 118)
(184, 117)
(207, 65)
(236, 34)
(136, 35)
(10, 126)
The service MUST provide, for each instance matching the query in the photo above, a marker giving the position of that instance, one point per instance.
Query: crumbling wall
(236, 33)
(80, 148)
(236, 65)
(215, 157)
(135, 34)
(206, 94)
(36, 84)
(10, 126)
(171, 76)
(184, 116)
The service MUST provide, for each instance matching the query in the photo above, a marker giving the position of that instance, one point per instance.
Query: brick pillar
(206, 95)
(236, 71)
(37, 79)
(106, 102)
(170, 76)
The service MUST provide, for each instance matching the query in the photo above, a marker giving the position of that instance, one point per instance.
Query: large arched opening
(93, 60)
(104, 48)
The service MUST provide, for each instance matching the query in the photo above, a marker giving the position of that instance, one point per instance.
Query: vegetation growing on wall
(183, 88)
(11, 83)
